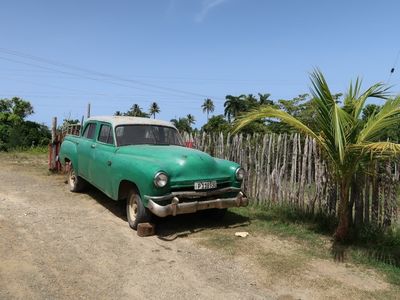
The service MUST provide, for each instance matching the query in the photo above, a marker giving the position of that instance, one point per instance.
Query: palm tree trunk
(343, 228)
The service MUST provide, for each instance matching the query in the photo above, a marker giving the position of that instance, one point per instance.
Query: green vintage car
(145, 162)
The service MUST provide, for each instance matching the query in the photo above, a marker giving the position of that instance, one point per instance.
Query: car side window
(89, 131)
(105, 135)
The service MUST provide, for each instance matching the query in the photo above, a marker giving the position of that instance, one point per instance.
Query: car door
(85, 150)
(102, 167)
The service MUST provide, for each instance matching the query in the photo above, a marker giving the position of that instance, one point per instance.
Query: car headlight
(160, 179)
(240, 174)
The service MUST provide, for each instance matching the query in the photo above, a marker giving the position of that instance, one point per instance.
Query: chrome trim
(193, 194)
(176, 208)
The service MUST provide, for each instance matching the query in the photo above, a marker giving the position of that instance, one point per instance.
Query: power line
(72, 74)
(101, 74)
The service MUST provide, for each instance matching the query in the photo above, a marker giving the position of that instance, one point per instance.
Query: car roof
(124, 120)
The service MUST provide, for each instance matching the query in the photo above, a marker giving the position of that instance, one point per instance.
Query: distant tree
(14, 109)
(216, 124)
(182, 124)
(14, 130)
(264, 99)
(370, 110)
(299, 107)
(154, 109)
(191, 119)
(234, 105)
(136, 111)
(118, 113)
(208, 106)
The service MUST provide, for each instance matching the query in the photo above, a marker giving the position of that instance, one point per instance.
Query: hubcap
(132, 208)
(72, 178)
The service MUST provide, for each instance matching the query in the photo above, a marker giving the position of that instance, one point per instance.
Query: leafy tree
(345, 139)
(299, 107)
(182, 124)
(118, 113)
(154, 109)
(14, 130)
(28, 134)
(14, 109)
(369, 110)
(216, 124)
(208, 106)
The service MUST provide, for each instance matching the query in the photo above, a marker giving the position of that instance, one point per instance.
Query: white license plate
(205, 185)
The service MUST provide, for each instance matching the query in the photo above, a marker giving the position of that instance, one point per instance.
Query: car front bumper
(177, 208)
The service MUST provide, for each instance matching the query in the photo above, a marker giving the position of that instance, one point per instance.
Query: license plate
(205, 185)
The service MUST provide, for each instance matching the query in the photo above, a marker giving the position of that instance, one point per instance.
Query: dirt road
(59, 245)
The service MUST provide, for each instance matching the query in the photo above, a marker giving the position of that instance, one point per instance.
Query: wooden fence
(289, 170)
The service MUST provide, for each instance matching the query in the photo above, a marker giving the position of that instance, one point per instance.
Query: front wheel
(135, 211)
(76, 183)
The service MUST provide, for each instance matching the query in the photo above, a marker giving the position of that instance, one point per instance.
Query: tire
(76, 184)
(135, 211)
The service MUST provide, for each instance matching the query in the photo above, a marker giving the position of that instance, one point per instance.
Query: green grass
(30, 150)
(371, 246)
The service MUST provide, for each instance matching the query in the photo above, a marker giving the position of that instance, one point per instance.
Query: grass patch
(29, 150)
(373, 247)
(284, 222)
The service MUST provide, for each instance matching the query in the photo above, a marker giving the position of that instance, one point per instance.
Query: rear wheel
(75, 183)
(135, 211)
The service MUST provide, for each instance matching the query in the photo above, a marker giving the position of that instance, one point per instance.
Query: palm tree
(154, 109)
(208, 106)
(191, 119)
(264, 99)
(234, 105)
(136, 111)
(345, 139)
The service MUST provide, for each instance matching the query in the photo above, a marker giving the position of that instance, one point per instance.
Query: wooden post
(53, 148)
(88, 111)
(54, 130)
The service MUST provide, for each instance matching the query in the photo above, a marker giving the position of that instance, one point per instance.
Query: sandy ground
(59, 245)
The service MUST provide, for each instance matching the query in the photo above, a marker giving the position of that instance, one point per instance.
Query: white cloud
(206, 6)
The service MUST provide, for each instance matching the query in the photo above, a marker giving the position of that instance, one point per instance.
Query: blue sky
(178, 52)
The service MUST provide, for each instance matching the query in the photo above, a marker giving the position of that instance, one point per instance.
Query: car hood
(183, 165)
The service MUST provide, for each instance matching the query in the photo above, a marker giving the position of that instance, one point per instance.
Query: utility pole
(88, 111)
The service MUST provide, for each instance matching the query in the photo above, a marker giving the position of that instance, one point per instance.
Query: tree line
(15, 130)
(300, 107)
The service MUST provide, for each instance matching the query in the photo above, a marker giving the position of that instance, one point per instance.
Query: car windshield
(147, 134)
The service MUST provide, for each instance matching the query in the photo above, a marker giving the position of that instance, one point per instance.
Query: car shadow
(117, 208)
(170, 228)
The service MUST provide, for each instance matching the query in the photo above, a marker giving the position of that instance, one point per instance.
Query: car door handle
(109, 162)
(93, 146)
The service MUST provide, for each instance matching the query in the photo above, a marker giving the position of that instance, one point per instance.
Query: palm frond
(321, 89)
(378, 149)
(378, 90)
(388, 116)
(339, 126)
